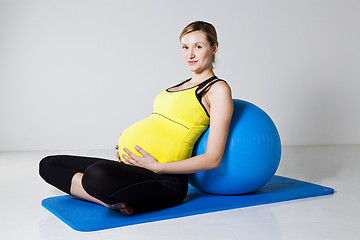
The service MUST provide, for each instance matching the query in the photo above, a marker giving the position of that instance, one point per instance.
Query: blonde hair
(206, 27)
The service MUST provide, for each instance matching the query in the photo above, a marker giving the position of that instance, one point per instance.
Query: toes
(127, 211)
(123, 208)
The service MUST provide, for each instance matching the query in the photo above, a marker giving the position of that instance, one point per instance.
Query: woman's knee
(95, 176)
(46, 165)
(97, 182)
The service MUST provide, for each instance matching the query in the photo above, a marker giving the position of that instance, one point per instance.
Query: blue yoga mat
(85, 216)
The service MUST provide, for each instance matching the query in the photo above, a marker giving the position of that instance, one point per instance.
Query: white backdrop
(76, 73)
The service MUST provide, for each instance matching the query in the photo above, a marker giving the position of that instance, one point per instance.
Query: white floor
(330, 217)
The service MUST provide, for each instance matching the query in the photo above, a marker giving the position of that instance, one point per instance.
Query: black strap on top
(205, 86)
(201, 85)
(177, 85)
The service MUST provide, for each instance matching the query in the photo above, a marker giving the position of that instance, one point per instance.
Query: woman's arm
(221, 107)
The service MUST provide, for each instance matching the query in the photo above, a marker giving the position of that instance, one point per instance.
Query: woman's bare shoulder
(220, 87)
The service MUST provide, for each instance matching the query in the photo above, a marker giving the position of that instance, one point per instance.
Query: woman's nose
(191, 54)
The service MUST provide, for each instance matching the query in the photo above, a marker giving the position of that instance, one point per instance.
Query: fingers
(117, 152)
(136, 159)
(141, 151)
(131, 158)
(130, 154)
(128, 160)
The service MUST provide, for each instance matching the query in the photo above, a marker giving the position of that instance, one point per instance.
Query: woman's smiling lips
(192, 62)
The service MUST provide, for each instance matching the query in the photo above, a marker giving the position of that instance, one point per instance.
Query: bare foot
(122, 207)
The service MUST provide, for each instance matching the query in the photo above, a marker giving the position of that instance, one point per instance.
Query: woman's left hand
(146, 161)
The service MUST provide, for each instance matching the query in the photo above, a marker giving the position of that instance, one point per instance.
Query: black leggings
(112, 182)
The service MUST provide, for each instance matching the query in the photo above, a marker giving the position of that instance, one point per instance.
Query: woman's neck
(200, 77)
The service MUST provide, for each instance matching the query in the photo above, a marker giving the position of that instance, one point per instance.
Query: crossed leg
(115, 185)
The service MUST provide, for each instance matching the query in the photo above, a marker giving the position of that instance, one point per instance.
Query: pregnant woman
(155, 154)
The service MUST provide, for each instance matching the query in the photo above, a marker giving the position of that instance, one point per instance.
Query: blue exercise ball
(251, 157)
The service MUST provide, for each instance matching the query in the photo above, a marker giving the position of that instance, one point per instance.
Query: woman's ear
(215, 47)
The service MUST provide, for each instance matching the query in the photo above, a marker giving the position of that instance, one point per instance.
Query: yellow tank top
(170, 132)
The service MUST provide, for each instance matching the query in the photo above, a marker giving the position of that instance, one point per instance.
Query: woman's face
(197, 51)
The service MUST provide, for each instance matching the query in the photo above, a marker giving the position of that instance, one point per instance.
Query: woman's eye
(185, 47)
(198, 47)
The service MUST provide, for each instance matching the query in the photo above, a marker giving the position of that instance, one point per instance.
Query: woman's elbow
(218, 162)
(214, 161)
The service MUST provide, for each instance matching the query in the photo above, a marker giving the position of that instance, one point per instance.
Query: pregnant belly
(159, 136)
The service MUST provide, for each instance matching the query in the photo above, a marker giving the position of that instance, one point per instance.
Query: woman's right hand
(117, 152)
